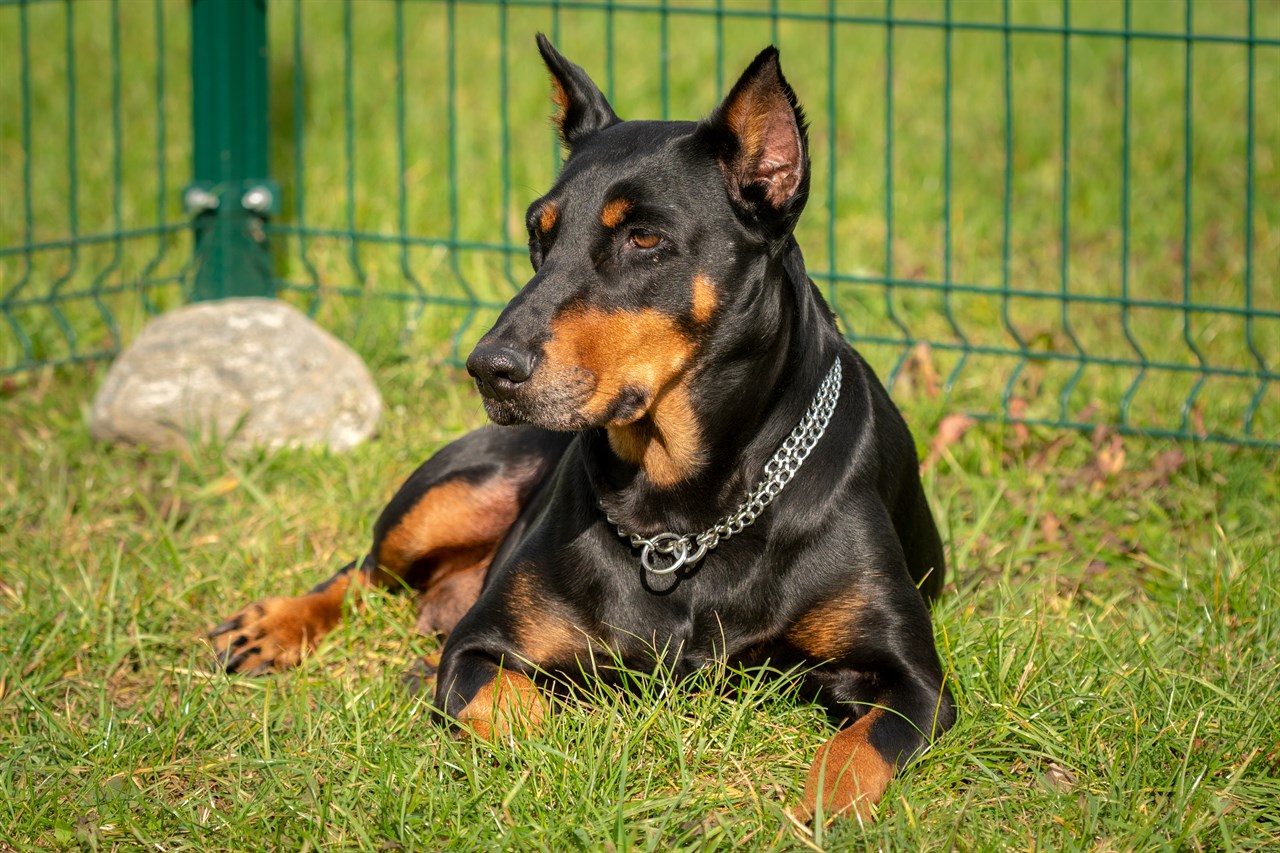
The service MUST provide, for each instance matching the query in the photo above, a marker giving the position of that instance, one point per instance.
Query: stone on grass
(250, 372)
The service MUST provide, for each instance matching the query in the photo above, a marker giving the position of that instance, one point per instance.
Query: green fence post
(232, 194)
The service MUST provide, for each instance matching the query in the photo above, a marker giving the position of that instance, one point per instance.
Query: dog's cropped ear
(759, 136)
(581, 108)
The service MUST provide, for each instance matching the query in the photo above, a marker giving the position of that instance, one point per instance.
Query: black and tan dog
(693, 465)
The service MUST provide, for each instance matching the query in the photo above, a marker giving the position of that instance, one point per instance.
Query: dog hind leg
(436, 536)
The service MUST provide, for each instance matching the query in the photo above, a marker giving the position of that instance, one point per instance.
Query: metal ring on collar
(677, 547)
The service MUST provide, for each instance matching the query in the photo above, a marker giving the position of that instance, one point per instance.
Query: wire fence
(1059, 212)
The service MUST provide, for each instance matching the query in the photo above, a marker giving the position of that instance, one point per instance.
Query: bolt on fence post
(232, 195)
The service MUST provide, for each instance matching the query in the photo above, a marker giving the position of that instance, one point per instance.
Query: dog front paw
(848, 777)
(273, 634)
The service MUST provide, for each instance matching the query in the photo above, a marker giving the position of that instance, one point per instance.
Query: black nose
(499, 370)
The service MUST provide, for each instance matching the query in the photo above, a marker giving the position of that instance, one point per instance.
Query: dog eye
(644, 239)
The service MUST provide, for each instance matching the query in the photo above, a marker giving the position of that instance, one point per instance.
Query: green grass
(1110, 632)
(1111, 629)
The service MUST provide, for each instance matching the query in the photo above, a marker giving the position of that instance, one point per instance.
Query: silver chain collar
(688, 549)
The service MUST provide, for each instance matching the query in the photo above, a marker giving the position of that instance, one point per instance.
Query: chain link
(688, 549)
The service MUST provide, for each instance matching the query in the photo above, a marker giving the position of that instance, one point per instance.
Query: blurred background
(1054, 211)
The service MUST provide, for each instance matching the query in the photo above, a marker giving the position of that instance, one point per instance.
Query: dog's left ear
(581, 107)
(759, 136)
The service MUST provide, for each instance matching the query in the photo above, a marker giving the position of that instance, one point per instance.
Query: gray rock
(248, 371)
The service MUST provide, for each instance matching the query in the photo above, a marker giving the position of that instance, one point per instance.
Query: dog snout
(500, 370)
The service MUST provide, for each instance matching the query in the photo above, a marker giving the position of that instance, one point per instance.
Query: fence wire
(1059, 212)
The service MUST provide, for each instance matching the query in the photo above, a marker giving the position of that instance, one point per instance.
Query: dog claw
(273, 634)
(225, 627)
(234, 664)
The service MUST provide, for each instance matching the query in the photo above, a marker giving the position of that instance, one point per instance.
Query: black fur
(667, 343)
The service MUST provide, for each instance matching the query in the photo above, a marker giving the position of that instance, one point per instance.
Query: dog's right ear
(581, 108)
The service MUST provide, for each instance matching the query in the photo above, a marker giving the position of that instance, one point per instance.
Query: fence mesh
(1059, 212)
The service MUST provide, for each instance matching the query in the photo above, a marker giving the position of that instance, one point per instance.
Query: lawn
(1110, 631)
(1110, 627)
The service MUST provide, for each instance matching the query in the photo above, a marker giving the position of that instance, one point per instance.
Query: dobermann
(690, 466)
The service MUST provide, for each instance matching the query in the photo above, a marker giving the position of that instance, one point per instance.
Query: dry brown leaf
(923, 373)
(1162, 469)
(1109, 455)
(1089, 412)
(1058, 778)
(950, 430)
(1018, 411)
(1050, 528)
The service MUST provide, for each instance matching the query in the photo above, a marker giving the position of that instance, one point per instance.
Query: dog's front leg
(852, 770)
(849, 774)
(510, 703)
(882, 679)
(487, 699)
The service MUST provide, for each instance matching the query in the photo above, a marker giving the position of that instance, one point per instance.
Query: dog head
(645, 242)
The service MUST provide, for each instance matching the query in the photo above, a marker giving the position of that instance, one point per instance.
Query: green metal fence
(1062, 212)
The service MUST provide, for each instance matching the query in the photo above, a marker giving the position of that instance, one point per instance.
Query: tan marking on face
(828, 631)
(848, 773)
(705, 298)
(547, 217)
(620, 349)
(612, 214)
(458, 524)
(667, 443)
(510, 703)
(543, 637)
(632, 350)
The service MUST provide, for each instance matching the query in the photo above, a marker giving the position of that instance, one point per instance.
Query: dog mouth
(568, 404)
(555, 419)
(556, 405)
(595, 368)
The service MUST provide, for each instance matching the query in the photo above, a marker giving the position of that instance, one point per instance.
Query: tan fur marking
(453, 531)
(612, 214)
(547, 216)
(705, 298)
(748, 118)
(848, 773)
(644, 350)
(667, 443)
(510, 702)
(449, 595)
(456, 520)
(543, 638)
(560, 98)
(276, 633)
(828, 631)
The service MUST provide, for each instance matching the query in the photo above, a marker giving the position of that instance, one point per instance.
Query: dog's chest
(686, 621)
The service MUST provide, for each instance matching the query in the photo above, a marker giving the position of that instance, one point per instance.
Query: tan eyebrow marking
(614, 212)
(547, 216)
